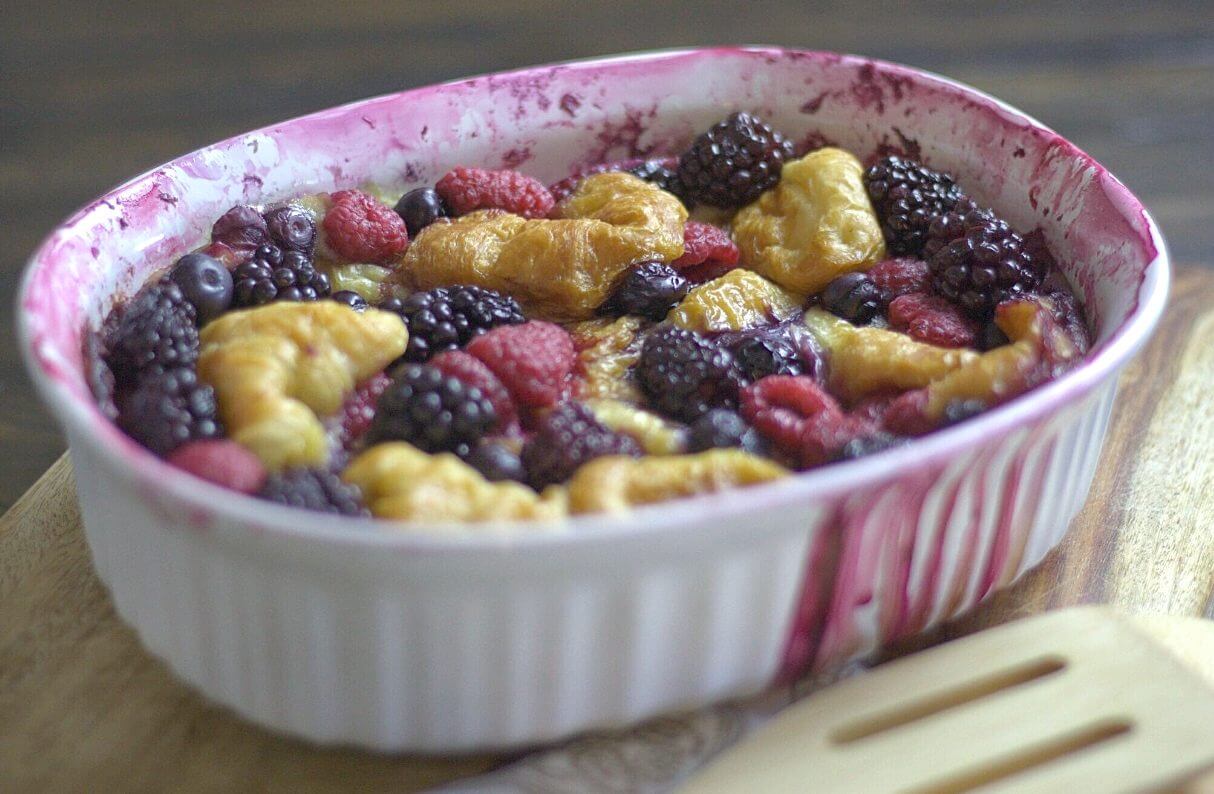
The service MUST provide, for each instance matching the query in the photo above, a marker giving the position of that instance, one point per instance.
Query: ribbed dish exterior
(504, 656)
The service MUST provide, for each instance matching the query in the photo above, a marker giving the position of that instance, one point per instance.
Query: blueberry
(852, 296)
(292, 229)
(419, 208)
(351, 299)
(722, 427)
(205, 282)
(650, 290)
(241, 228)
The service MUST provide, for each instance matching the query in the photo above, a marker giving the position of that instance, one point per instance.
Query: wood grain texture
(83, 707)
(94, 93)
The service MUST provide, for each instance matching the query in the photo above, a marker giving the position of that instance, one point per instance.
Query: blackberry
(496, 462)
(657, 172)
(445, 318)
(977, 261)
(733, 162)
(991, 336)
(155, 333)
(314, 489)
(98, 374)
(763, 354)
(431, 411)
(957, 411)
(908, 196)
(168, 408)
(722, 427)
(350, 298)
(274, 275)
(869, 445)
(649, 290)
(567, 437)
(854, 297)
(683, 374)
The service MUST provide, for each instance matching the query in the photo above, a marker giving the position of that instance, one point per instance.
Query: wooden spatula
(1078, 700)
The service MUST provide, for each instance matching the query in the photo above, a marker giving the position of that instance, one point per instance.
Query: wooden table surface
(93, 93)
(83, 707)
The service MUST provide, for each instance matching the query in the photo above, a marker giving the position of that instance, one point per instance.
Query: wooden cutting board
(82, 707)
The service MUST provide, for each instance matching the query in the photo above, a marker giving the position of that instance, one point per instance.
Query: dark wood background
(93, 93)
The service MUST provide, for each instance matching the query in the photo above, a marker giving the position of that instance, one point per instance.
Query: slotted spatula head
(1077, 700)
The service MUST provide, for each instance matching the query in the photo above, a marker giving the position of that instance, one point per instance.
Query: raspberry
(733, 162)
(873, 408)
(708, 251)
(852, 296)
(242, 229)
(932, 319)
(314, 489)
(155, 332)
(779, 406)
(658, 172)
(431, 411)
(358, 412)
(272, 275)
(168, 408)
(722, 427)
(468, 189)
(683, 374)
(650, 290)
(361, 229)
(567, 437)
(472, 372)
(533, 360)
(908, 196)
(900, 276)
(978, 261)
(906, 415)
(222, 462)
(825, 436)
(445, 318)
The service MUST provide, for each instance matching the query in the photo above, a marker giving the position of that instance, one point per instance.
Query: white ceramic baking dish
(421, 638)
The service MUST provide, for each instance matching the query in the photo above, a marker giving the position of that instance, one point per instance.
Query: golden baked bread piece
(656, 435)
(560, 268)
(737, 300)
(277, 368)
(616, 483)
(1037, 346)
(815, 224)
(402, 482)
(864, 360)
(606, 350)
